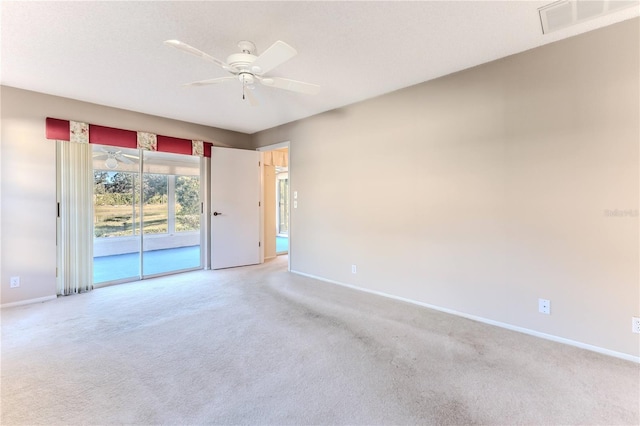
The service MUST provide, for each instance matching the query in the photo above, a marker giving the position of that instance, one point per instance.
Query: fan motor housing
(241, 61)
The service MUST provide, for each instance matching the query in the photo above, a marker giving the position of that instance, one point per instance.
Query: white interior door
(235, 196)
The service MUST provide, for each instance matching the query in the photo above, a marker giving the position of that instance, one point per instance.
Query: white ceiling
(112, 53)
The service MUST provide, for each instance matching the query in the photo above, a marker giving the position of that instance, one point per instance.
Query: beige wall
(28, 175)
(482, 191)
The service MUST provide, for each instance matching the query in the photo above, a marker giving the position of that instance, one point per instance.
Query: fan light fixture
(111, 163)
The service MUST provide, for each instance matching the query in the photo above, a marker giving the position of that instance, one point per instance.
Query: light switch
(295, 204)
(295, 195)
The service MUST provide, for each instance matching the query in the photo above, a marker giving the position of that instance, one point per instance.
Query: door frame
(273, 147)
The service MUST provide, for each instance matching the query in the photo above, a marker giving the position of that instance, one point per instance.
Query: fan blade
(192, 50)
(124, 159)
(277, 54)
(100, 157)
(293, 85)
(251, 98)
(210, 81)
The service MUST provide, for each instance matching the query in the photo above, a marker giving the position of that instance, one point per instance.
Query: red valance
(61, 130)
(174, 145)
(58, 129)
(113, 137)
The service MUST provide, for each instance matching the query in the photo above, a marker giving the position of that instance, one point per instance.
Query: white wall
(28, 179)
(482, 191)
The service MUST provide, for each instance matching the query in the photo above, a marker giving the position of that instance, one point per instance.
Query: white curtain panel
(75, 232)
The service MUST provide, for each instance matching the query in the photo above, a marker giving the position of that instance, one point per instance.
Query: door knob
(216, 213)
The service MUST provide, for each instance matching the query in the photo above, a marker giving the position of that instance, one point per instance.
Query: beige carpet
(259, 345)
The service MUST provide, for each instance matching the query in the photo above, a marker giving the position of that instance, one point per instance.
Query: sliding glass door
(147, 214)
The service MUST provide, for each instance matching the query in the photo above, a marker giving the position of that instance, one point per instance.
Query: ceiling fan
(248, 68)
(112, 157)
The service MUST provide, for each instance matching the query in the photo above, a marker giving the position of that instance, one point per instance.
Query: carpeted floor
(258, 345)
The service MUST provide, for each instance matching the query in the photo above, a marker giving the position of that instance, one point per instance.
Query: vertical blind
(75, 198)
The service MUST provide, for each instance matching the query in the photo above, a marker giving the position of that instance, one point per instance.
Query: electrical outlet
(15, 282)
(354, 270)
(635, 324)
(544, 306)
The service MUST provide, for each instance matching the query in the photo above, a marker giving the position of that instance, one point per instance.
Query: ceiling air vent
(564, 13)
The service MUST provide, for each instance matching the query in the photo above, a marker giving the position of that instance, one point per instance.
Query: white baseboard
(528, 331)
(28, 301)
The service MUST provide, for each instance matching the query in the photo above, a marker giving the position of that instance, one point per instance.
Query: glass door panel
(171, 213)
(116, 242)
(155, 207)
(187, 205)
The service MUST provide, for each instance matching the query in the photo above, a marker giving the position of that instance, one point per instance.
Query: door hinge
(258, 164)
(201, 208)
(259, 204)
(58, 213)
(259, 244)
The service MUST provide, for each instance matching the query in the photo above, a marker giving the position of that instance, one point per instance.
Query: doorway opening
(147, 214)
(276, 196)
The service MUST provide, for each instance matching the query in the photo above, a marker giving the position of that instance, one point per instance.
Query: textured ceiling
(112, 53)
